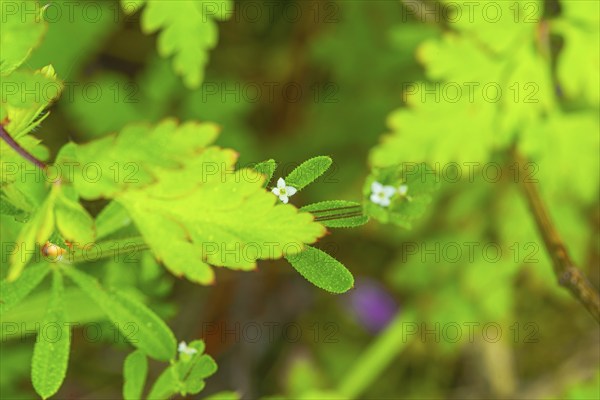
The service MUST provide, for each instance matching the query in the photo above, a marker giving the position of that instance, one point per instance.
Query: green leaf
(308, 172)
(419, 180)
(337, 213)
(135, 371)
(73, 221)
(188, 32)
(38, 230)
(136, 156)
(191, 371)
(577, 64)
(267, 168)
(185, 376)
(165, 386)
(13, 292)
(224, 396)
(151, 334)
(21, 30)
(29, 95)
(112, 218)
(51, 350)
(322, 270)
(229, 221)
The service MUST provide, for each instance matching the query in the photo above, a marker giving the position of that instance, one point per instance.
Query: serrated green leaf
(152, 335)
(308, 172)
(190, 204)
(136, 155)
(267, 168)
(337, 213)
(135, 371)
(13, 292)
(322, 270)
(225, 221)
(188, 32)
(73, 221)
(51, 350)
(21, 30)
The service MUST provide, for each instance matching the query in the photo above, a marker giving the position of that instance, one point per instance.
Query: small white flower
(284, 192)
(403, 189)
(183, 348)
(403, 192)
(381, 194)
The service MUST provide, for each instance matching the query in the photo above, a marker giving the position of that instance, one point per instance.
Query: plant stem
(20, 150)
(110, 248)
(566, 271)
(377, 356)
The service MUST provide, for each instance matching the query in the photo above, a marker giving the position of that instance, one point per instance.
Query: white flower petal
(402, 190)
(290, 190)
(183, 348)
(389, 191)
(384, 202)
(280, 183)
(276, 191)
(284, 199)
(376, 187)
(375, 198)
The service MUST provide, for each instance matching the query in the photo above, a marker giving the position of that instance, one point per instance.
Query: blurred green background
(305, 78)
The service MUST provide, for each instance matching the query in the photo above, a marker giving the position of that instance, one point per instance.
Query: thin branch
(20, 150)
(566, 271)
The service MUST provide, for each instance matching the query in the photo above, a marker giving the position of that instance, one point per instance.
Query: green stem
(20, 150)
(373, 361)
(110, 248)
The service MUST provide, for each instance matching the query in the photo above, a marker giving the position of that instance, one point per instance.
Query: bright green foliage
(420, 180)
(557, 148)
(72, 220)
(337, 213)
(20, 32)
(135, 370)
(36, 231)
(186, 375)
(136, 156)
(308, 172)
(224, 396)
(267, 168)
(25, 96)
(188, 31)
(51, 351)
(188, 202)
(322, 270)
(152, 335)
(579, 61)
(14, 292)
(112, 218)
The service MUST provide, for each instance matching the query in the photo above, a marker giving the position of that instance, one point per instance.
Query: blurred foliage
(326, 82)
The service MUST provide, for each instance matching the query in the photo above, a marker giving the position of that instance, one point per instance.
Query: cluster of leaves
(167, 188)
(188, 31)
(543, 110)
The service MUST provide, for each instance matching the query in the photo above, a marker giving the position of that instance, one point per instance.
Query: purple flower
(372, 305)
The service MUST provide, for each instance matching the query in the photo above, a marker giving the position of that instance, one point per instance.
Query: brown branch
(20, 150)
(566, 271)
